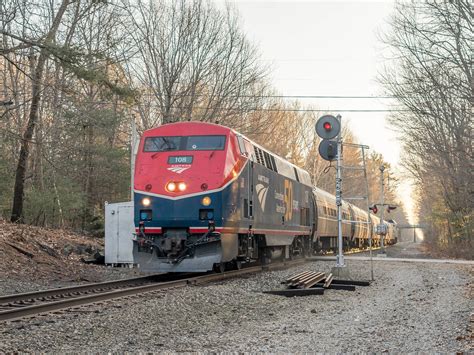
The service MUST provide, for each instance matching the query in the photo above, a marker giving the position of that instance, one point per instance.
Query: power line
(320, 97)
(247, 109)
(294, 96)
(297, 110)
(308, 96)
(250, 109)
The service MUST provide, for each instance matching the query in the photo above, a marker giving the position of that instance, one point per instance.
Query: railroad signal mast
(328, 127)
(381, 228)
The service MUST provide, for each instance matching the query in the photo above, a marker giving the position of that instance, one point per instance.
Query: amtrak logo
(178, 169)
(262, 195)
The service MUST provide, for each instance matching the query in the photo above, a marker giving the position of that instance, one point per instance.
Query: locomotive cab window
(161, 144)
(166, 144)
(205, 143)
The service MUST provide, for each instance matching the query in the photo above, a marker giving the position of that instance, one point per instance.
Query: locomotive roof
(186, 123)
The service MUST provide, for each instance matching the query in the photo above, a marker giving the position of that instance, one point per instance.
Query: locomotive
(207, 197)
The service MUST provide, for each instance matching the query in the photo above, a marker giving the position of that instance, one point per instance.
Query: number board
(185, 159)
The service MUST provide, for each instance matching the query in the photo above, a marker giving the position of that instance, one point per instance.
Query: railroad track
(29, 304)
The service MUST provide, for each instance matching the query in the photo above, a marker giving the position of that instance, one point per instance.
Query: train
(208, 198)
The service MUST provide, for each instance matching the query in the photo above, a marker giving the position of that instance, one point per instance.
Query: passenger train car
(207, 197)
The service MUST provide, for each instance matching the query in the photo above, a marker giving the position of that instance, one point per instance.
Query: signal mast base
(341, 272)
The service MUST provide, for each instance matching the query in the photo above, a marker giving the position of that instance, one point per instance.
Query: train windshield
(205, 143)
(165, 144)
(162, 144)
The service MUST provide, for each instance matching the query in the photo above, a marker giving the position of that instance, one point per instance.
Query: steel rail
(73, 289)
(20, 311)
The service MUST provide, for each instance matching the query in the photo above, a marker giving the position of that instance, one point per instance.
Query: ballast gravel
(411, 307)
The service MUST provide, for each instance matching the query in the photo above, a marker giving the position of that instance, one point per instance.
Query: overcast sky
(328, 48)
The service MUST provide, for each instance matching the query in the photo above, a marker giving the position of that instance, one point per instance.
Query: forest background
(75, 74)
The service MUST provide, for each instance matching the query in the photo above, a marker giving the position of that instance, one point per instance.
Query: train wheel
(219, 268)
(237, 264)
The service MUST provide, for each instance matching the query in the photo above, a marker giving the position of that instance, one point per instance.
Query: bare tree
(36, 81)
(195, 62)
(432, 78)
(66, 54)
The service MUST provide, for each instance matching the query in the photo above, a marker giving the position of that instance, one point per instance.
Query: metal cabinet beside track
(119, 230)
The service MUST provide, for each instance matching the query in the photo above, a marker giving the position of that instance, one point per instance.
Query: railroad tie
(297, 276)
(305, 279)
(314, 280)
(328, 281)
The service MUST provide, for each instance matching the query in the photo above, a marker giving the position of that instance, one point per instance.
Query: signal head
(328, 149)
(328, 127)
(391, 208)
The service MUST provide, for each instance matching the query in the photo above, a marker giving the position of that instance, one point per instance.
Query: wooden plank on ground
(318, 277)
(297, 276)
(328, 281)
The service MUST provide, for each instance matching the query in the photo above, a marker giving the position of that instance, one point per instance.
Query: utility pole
(340, 255)
(132, 156)
(382, 224)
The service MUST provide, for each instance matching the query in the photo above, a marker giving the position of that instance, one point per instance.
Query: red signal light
(374, 209)
(327, 126)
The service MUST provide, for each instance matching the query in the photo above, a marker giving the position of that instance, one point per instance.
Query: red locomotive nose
(187, 158)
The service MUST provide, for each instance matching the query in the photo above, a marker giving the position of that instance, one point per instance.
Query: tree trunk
(37, 81)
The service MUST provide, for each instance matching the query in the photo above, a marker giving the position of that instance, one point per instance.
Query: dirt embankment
(457, 250)
(34, 253)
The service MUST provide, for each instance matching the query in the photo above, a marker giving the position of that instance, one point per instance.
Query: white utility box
(119, 230)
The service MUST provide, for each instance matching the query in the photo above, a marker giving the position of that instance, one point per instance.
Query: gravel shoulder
(406, 249)
(410, 307)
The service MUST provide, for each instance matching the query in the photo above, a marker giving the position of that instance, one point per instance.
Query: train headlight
(146, 202)
(206, 201)
(171, 186)
(181, 186)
